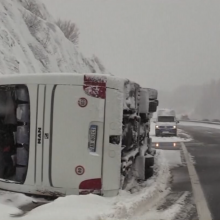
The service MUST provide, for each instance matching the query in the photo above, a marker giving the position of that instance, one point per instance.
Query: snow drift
(94, 207)
(31, 42)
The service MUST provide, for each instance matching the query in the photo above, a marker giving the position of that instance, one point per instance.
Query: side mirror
(177, 122)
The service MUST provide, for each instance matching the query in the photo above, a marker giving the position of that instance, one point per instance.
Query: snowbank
(167, 214)
(31, 43)
(173, 158)
(6, 211)
(73, 207)
(10, 202)
(14, 199)
(93, 207)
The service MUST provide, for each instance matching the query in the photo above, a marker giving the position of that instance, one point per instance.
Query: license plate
(93, 137)
(166, 132)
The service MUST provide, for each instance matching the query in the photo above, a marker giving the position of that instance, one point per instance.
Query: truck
(166, 123)
(76, 133)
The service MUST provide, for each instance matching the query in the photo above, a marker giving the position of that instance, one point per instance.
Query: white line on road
(200, 201)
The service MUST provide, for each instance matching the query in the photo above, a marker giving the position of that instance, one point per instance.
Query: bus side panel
(39, 134)
(112, 152)
(31, 172)
(47, 134)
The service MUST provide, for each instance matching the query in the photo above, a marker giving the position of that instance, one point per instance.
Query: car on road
(166, 123)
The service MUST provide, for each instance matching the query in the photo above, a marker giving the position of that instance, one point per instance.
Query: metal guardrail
(202, 122)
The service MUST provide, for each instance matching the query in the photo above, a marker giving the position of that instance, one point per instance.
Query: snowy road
(180, 200)
(205, 149)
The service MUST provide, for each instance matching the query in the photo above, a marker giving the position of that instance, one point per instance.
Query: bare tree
(99, 63)
(88, 64)
(70, 30)
(32, 21)
(33, 7)
(47, 38)
(32, 15)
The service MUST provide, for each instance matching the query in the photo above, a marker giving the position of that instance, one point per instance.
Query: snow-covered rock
(33, 43)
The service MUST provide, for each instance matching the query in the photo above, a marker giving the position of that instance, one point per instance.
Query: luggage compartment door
(77, 138)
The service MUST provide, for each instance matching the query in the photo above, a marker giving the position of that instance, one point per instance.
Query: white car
(166, 123)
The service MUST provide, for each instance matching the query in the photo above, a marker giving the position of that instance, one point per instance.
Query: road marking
(200, 201)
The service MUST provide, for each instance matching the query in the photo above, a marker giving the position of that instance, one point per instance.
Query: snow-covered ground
(93, 207)
(173, 157)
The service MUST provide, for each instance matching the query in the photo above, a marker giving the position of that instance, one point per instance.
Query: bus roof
(64, 78)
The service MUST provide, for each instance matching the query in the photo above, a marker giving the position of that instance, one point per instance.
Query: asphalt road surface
(205, 148)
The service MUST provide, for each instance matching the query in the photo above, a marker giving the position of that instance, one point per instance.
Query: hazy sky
(157, 43)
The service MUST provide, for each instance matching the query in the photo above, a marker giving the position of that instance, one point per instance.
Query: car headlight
(157, 126)
(174, 126)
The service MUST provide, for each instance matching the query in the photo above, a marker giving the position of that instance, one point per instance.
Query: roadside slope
(31, 42)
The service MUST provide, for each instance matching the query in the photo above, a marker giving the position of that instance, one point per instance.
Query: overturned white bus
(73, 133)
